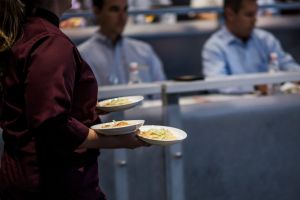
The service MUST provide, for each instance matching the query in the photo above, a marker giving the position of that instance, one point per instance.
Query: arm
(94, 140)
(286, 61)
(156, 66)
(50, 113)
(214, 65)
(213, 62)
(49, 87)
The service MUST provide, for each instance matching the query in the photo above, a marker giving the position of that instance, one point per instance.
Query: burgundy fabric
(49, 103)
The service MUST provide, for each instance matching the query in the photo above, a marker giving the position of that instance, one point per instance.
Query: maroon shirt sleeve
(49, 87)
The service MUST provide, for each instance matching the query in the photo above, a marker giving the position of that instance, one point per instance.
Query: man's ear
(229, 13)
(96, 10)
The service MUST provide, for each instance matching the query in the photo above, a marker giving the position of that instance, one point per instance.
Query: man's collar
(229, 37)
(103, 38)
(48, 15)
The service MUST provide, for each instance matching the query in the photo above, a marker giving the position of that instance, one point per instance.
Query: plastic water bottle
(273, 67)
(134, 76)
(273, 63)
(168, 18)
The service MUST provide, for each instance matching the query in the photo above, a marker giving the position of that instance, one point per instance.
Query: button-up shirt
(225, 54)
(110, 63)
(48, 106)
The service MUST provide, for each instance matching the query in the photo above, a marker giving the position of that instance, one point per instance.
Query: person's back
(110, 54)
(240, 48)
(48, 105)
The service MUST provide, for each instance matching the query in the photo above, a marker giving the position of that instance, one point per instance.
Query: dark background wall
(244, 149)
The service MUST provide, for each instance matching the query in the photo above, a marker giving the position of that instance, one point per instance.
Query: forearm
(98, 141)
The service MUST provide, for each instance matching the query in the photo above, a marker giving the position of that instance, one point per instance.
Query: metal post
(121, 174)
(120, 165)
(173, 154)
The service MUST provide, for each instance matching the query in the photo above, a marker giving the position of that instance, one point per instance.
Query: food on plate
(116, 102)
(158, 134)
(115, 124)
(290, 88)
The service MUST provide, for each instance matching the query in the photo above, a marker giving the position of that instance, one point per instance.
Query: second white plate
(118, 127)
(156, 132)
(120, 103)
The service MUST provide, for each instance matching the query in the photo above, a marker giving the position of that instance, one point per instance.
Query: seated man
(240, 48)
(110, 54)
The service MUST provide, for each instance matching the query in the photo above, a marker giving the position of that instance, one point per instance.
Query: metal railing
(182, 10)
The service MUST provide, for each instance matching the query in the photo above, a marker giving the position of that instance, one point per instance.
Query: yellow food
(116, 124)
(158, 134)
(117, 102)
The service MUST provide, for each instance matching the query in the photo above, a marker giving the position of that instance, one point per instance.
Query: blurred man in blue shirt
(240, 48)
(110, 54)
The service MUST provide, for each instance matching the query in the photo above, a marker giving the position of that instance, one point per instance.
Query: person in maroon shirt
(48, 103)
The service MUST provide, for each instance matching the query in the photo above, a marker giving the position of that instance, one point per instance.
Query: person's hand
(262, 89)
(297, 82)
(80, 150)
(101, 112)
(96, 140)
(131, 141)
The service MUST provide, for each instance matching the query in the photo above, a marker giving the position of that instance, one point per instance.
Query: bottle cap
(133, 66)
(273, 56)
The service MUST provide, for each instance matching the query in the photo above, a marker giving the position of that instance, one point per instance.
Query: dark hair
(98, 3)
(13, 13)
(12, 16)
(11, 21)
(235, 5)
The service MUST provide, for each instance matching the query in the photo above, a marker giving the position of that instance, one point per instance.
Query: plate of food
(290, 88)
(161, 135)
(120, 103)
(118, 127)
(189, 78)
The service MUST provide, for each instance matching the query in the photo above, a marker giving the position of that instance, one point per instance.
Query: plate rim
(115, 130)
(119, 107)
(163, 142)
(140, 96)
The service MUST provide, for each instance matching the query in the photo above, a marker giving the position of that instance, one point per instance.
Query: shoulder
(136, 44)
(216, 40)
(263, 34)
(88, 44)
(39, 32)
(48, 47)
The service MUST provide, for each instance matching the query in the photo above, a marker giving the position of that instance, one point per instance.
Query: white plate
(109, 129)
(290, 88)
(132, 101)
(179, 134)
